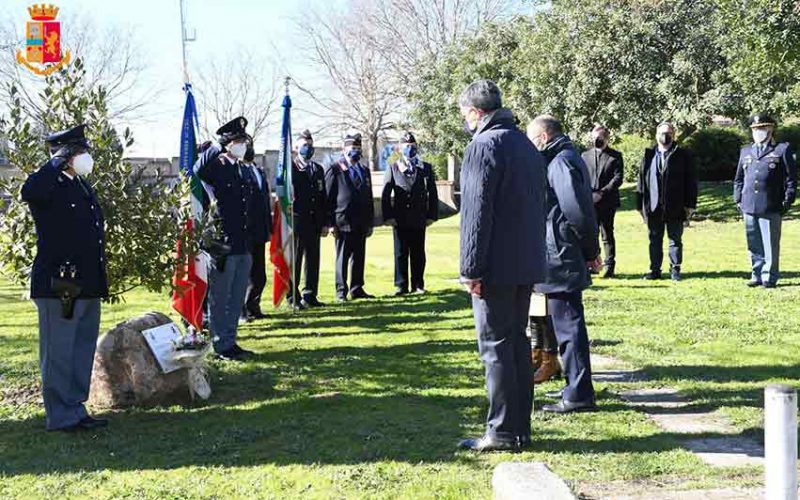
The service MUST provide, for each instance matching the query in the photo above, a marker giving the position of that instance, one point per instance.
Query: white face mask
(238, 150)
(83, 164)
(760, 135)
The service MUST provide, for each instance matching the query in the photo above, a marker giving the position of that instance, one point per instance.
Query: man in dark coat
(260, 227)
(502, 257)
(310, 221)
(764, 189)
(348, 187)
(409, 203)
(572, 250)
(666, 195)
(606, 174)
(68, 279)
(227, 184)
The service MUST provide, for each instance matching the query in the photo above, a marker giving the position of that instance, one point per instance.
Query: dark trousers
(566, 311)
(501, 316)
(258, 279)
(605, 219)
(351, 251)
(656, 225)
(66, 357)
(306, 248)
(409, 244)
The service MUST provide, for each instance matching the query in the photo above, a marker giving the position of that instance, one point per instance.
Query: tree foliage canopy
(627, 63)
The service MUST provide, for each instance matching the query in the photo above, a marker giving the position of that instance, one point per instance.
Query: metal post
(780, 442)
(185, 38)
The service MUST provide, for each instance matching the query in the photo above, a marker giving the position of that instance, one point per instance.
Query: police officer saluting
(348, 189)
(764, 189)
(410, 203)
(227, 182)
(68, 279)
(310, 221)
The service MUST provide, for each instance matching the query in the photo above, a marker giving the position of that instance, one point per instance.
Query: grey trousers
(764, 242)
(226, 293)
(66, 355)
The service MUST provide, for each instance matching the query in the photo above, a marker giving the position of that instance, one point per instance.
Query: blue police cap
(761, 120)
(74, 137)
(234, 129)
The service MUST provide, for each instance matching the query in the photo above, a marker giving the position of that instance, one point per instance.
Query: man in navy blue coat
(764, 190)
(348, 189)
(68, 279)
(502, 257)
(260, 227)
(572, 250)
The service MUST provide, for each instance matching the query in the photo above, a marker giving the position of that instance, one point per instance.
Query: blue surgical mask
(410, 151)
(354, 155)
(306, 151)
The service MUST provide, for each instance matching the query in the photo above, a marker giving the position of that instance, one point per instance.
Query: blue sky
(221, 27)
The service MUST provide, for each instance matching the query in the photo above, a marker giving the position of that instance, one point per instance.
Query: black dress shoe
(242, 352)
(767, 284)
(256, 315)
(361, 295)
(652, 276)
(400, 292)
(313, 302)
(564, 406)
(89, 423)
(341, 298)
(486, 443)
(229, 355)
(675, 275)
(609, 272)
(754, 283)
(524, 442)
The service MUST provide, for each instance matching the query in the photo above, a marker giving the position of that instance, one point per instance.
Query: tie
(654, 171)
(355, 174)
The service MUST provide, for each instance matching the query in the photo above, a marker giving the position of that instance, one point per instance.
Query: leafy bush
(632, 148)
(716, 152)
(790, 134)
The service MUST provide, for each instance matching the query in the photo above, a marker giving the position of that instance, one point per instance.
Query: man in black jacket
(68, 279)
(502, 257)
(572, 251)
(260, 227)
(605, 173)
(666, 195)
(310, 221)
(348, 189)
(409, 203)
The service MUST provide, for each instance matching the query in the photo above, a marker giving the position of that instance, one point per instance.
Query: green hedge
(632, 148)
(716, 152)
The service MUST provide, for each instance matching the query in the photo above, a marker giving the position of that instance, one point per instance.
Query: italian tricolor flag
(281, 245)
(191, 276)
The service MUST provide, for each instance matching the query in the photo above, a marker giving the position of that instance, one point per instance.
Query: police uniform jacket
(69, 230)
(765, 182)
(350, 208)
(260, 207)
(233, 194)
(410, 199)
(310, 206)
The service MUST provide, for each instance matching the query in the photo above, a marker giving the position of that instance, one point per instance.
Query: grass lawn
(368, 399)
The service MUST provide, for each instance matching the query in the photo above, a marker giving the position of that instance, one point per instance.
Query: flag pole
(289, 168)
(185, 39)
